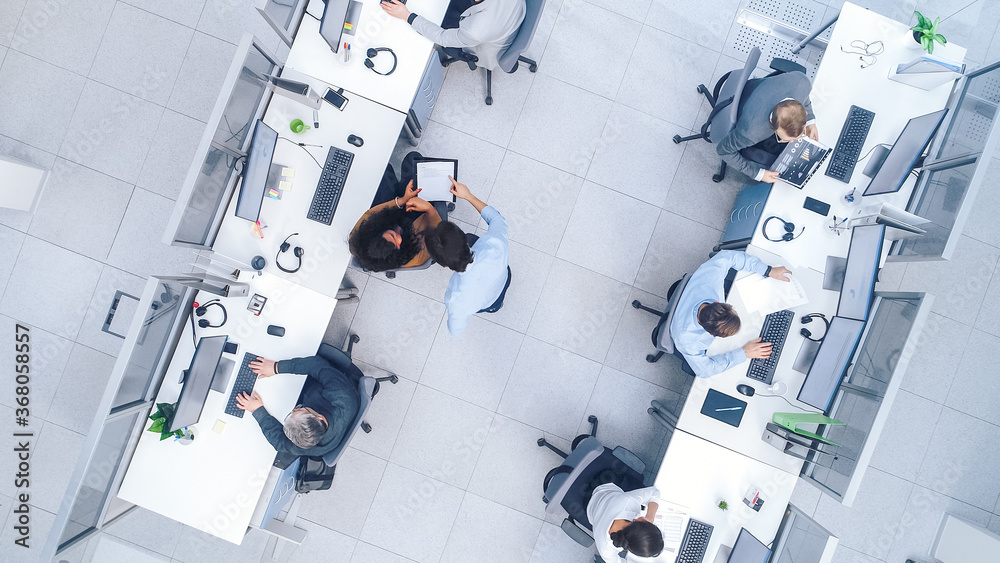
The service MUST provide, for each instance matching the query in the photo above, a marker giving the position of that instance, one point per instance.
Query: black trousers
(451, 18)
(391, 187)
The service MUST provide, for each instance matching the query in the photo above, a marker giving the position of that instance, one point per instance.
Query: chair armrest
(785, 65)
(630, 459)
(578, 534)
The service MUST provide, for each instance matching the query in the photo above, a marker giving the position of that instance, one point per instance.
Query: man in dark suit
(329, 403)
(776, 110)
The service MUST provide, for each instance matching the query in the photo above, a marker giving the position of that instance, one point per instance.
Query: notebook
(724, 408)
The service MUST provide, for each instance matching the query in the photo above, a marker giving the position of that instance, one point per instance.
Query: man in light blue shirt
(482, 274)
(702, 315)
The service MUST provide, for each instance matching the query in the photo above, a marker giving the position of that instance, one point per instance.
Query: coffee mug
(298, 126)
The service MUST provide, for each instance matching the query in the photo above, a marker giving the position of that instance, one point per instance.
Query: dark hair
(377, 254)
(448, 246)
(640, 538)
(790, 115)
(719, 319)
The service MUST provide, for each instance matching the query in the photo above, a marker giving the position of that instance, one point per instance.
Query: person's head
(448, 246)
(385, 240)
(304, 427)
(719, 319)
(640, 538)
(788, 120)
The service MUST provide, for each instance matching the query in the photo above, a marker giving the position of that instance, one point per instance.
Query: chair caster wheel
(355, 338)
(677, 139)
(651, 358)
(591, 419)
(702, 89)
(540, 442)
(636, 304)
(390, 275)
(717, 178)
(394, 379)
(366, 427)
(489, 100)
(532, 68)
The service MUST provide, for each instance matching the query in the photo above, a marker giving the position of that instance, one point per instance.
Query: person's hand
(249, 402)
(263, 367)
(459, 189)
(770, 176)
(419, 204)
(812, 132)
(780, 273)
(642, 519)
(757, 349)
(409, 193)
(395, 9)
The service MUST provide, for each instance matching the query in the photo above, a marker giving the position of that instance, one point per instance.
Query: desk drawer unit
(745, 217)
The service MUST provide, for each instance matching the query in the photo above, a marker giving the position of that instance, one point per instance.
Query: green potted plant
(723, 505)
(925, 32)
(162, 418)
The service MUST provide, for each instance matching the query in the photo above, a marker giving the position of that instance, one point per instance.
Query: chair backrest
(508, 57)
(666, 343)
(578, 460)
(726, 111)
(366, 390)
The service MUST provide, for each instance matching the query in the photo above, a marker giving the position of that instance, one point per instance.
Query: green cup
(298, 126)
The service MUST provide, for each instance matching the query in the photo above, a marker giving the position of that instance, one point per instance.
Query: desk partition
(283, 16)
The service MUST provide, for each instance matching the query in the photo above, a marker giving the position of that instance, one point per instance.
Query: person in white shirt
(624, 521)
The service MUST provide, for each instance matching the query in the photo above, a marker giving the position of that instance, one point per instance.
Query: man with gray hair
(329, 404)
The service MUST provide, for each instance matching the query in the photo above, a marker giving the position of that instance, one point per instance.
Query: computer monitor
(331, 26)
(258, 165)
(904, 153)
(198, 381)
(861, 271)
(748, 549)
(831, 362)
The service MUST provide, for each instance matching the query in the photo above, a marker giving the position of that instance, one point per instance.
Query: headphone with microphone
(787, 236)
(298, 252)
(372, 53)
(200, 311)
(805, 332)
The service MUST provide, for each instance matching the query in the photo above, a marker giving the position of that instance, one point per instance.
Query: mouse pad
(724, 408)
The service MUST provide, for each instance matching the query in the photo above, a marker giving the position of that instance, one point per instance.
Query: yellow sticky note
(285, 186)
(287, 172)
(219, 426)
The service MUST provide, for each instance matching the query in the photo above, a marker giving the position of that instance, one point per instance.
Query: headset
(372, 53)
(808, 319)
(298, 252)
(200, 311)
(789, 230)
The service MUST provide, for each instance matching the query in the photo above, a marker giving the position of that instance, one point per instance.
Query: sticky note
(273, 194)
(287, 172)
(348, 26)
(284, 186)
(219, 426)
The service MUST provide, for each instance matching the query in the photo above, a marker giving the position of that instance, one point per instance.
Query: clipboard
(724, 408)
(432, 177)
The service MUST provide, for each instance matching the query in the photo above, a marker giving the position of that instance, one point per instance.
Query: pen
(729, 409)
(347, 52)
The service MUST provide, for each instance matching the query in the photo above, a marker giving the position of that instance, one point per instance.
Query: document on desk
(671, 519)
(767, 295)
(432, 178)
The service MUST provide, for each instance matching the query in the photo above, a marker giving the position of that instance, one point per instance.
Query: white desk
(214, 483)
(840, 83)
(326, 252)
(697, 474)
(311, 54)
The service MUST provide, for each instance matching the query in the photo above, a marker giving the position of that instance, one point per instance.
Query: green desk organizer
(791, 420)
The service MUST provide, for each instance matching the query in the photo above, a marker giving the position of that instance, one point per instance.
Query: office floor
(112, 96)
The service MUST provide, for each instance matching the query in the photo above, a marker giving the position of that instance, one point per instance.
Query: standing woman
(624, 521)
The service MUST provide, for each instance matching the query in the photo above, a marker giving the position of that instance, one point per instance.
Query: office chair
(367, 389)
(588, 465)
(736, 86)
(661, 333)
(509, 57)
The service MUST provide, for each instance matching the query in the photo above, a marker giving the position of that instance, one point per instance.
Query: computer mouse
(355, 140)
(745, 390)
(275, 330)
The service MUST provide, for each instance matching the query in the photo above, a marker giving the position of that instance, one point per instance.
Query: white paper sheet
(767, 295)
(432, 179)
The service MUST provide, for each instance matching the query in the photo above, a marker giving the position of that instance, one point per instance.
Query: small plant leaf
(157, 425)
(940, 39)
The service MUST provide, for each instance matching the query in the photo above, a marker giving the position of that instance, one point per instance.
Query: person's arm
(729, 149)
(274, 432)
(398, 202)
(311, 366)
(706, 366)
(738, 260)
(462, 36)
(461, 191)
(457, 323)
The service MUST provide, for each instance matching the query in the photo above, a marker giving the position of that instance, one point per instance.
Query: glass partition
(801, 540)
(865, 395)
(283, 16)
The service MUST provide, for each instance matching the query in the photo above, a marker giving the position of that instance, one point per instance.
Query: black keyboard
(331, 183)
(775, 330)
(852, 138)
(695, 542)
(245, 379)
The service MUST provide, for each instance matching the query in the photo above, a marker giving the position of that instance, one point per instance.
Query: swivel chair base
(532, 67)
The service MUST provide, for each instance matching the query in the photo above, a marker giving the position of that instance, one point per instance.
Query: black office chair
(510, 57)
(735, 85)
(662, 341)
(588, 465)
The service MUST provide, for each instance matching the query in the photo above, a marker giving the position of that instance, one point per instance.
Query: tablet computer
(724, 408)
(432, 178)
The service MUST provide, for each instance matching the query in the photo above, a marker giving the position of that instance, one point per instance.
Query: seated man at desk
(481, 27)
(777, 110)
(701, 314)
(329, 404)
(482, 274)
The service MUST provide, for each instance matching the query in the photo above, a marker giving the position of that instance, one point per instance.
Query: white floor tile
(201, 75)
(170, 154)
(195, 546)
(959, 283)
(936, 358)
(81, 389)
(678, 246)
(37, 116)
(385, 414)
(986, 319)
(51, 448)
(66, 35)
(632, 9)
(148, 529)
(704, 23)
(139, 247)
(695, 196)
(321, 544)
(871, 523)
(480, 518)
(184, 12)
(368, 553)
(918, 526)
(346, 505)
(529, 269)
(230, 19)
(10, 14)
(960, 460)
(975, 387)
(901, 450)
(48, 355)
(554, 546)
(461, 104)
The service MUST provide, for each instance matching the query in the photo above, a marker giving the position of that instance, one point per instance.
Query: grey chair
(367, 389)
(734, 86)
(509, 58)
(588, 464)
(662, 341)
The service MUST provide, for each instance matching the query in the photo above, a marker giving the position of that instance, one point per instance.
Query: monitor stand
(875, 160)
(806, 355)
(833, 279)
(220, 381)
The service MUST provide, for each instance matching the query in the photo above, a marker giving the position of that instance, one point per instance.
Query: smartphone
(333, 98)
(817, 206)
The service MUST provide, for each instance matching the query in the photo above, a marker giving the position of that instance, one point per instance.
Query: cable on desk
(303, 147)
(870, 151)
(313, 17)
(783, 399)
